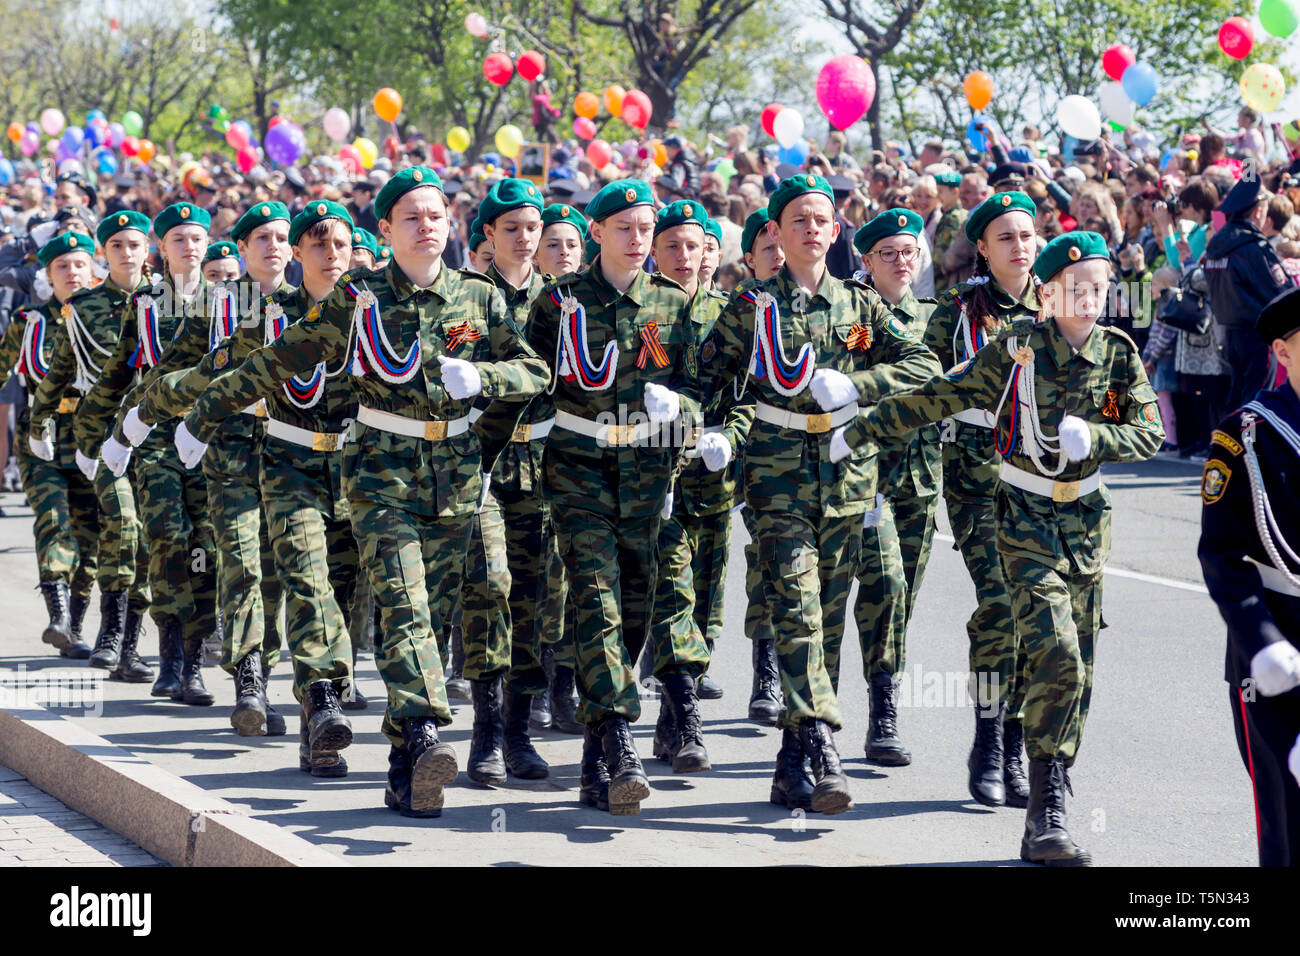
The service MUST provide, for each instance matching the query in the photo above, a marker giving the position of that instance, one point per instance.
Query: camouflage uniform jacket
(30, 356)
(949, 229)
(911, 468)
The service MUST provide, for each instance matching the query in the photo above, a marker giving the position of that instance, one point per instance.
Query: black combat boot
(131, 669)
(665, 742)
(171, 657)
(522, 759)
(193, 691)
(215, 643)
(628, 785)
(59, 631)
(433, 766)
(397, 795)
(831, 794)
(765, 699)
(1046, 840)
(77, 649)
(883, 745)
(352, 698)
(322, 763)
(985, 762)
(108, 642)
(327, 729)
(707, 689)
(539, 717)
(689, 755)
(791, 785)
(593, 785)
(457, 686)
(1013, 768)
(249, 716)
(487, 764)
(275, 726)
(564, 702)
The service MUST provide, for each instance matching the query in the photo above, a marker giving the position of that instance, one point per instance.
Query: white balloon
(337, 124)
(1078, 117)
(1115, 103)
(788, 127)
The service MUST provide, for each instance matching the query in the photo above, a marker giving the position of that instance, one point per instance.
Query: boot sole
(339, 769)
(391, 803)
(779, 799)
(593, 800)
(128, 679)
(248, 722)
(335, 735)
(195, 701)
(535, 773)
(709, 696)
(102, 663)
(434, 769)
(625, 795)
(56, 638)
(888, 758)
(538, 725)
(983, 799)
(691, 764)
(763, 716)
(162, 692)
(831, 802)
(1083, 858)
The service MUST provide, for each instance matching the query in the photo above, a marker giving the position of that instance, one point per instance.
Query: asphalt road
(1158, 781)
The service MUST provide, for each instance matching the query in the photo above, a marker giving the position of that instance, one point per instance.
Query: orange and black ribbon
(651, 348)
(1110, 409)
(859, 337)
(458, 335)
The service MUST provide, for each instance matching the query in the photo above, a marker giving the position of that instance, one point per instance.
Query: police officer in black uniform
(1243, 273)
(1250, 537)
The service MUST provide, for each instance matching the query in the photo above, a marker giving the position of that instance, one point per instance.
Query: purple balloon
(116, 133)
(72, 137)
(34, 127)
(285, 143)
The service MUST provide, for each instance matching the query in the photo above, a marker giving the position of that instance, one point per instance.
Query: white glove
(88, 466)
(1076, 439)
(666, 511)
(135, 430)
(42, 448)
(839, 447)
(737, 509)
(715, 450)
(460, 378)
(1294, 760)
(872, 518)
(833, 389)
(1276, 668)
(487, 483)
(190, 448)
(661, 404)
(115, 456)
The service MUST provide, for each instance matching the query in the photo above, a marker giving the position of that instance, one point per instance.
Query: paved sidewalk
(37, 830)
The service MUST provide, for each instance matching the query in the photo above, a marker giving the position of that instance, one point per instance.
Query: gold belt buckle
(522, 433)
(324, 441)
(1065, 491)
(435, 431)
(259, 410)
(619, 434)
(693, 437)
(818, 424)
(68, 404)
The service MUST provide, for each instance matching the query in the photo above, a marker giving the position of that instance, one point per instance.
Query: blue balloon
(796, 154)
(6, 172)
(94, 115)
(1139, 82)
(72, 137)
(106, 163)
(1021, 154)
(978, 141)
(1068, 145)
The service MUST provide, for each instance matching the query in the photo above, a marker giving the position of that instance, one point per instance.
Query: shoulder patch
(1278, 273)
(708, 351)
(312, 316)
(958, 370)
(1222, 438)
(180, 330)
(1214, 480)
(899, 330)
(220, 359)
(1149, 416)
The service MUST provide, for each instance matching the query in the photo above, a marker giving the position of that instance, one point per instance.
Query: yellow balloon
(458, 138)
(368, 150)
(1262, 87)
(509, 139)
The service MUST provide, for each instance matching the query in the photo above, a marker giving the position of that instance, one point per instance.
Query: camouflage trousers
(173, 503)
(894, 556)
(316, 559)
(249, 589)
(485, 595)
(808, 565)
(688, 593)
(557, 631)
(123, 558)
(758, 618)
(414, 564)
(66, 525)
(610, 563)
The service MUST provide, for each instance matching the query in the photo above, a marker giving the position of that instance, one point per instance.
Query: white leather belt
(691, 450)
(811, 424)
(257, 409)
(1059, 491)
(976, 416)
(534, 432)
(1273, 579)
(316, 441)
(413, 427)
(474, 415)
(608, 434)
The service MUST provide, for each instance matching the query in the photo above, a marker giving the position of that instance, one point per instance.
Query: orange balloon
(388, 103)
(146, 151)
(660, 154)
(584, 104)
(614, 99)
(15, 132)
(978, 87)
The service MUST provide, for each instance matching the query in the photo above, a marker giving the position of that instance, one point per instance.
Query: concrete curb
(170, 817)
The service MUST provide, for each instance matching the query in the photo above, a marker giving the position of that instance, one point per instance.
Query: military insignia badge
(692, 363)
(1214, 480)
(1111, 409)
(1279, 275)
(860, 338)
(67, 312)
(1227, 441)
(957, 371)
(900, 330)
(1024, 355)
(1149, 416)
(708, 351)
(313, 316)
(220, 360)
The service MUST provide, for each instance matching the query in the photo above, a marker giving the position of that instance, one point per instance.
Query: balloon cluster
(97, 139)
(631, 106)
(785, 125)
(1262, 85)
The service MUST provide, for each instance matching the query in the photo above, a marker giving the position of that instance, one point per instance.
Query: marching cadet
(1002, 290)
(896, 538)
(413, 476)
(803, 328)
(248, 590)
(481, 252)
(364, 249)
(1248, 554)
(1065, 395)
(61, 496)
(624, 364)
(220, 262)
(564, 230)
(93, 322)
(173, 504)
(949, 228)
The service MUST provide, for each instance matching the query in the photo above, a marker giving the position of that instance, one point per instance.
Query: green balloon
(1117, 127)
(132, 122)
(214, 111)
(1280, 17)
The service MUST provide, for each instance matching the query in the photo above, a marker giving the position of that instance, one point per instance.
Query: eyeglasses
(892, 255)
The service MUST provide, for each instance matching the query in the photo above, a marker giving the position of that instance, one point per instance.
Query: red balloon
(599, 153)
(1116, 60)
(769, 117)
(531, 65)
(584, 128)
(1236, 37)
(636, 109)
(391, 146)
(130, 146)
(246, 159)
(274, 121)
(350, 157)
(498, 69)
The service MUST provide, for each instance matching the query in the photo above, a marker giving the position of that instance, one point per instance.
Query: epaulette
(927, 300)
(717, 294)
(469, 273)
(857, 284)
(1115, 330)
(1021, 326)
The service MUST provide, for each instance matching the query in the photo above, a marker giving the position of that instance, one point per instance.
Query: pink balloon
(1236, 37)
(584, 128)
(29, 143)
(246, 159)
(599, 153)
(237, 137)
(845, 89)
(636, 109)
(1116, 59)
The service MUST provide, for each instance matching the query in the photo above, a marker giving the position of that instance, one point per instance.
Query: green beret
(384, 255)
(62, 245)
(755, 223)
(506, 195)
(619, 195)
(318, 210)
(220, 250)
(364, 239)
(413, 177)
(114, 223)
(712, 228)
(891, 222)
(794, 187)
(1068, 249)
(258, 215)
(562, 212)
(684, 212)
(948, 179)
(180, 214)
(476, 239)
(996, 205)
(590, 249)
